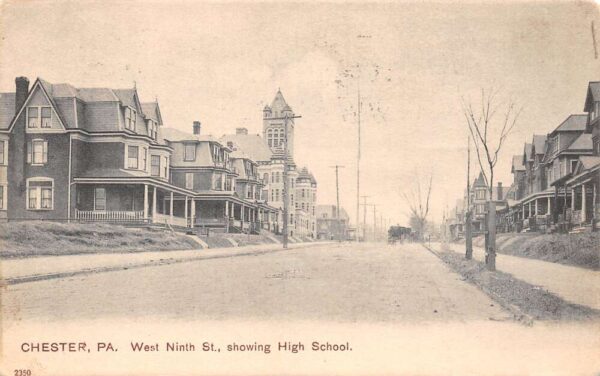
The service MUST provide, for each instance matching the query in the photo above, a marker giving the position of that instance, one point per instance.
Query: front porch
(585, 208)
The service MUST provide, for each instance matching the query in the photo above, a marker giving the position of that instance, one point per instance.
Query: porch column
(193, 214)
(536, 207)
(572, 198)
(171, 209)
(548, 209)
(154, 204)
(242, 215)
(583, 204)
(523, 211)
(226, 208)
(185, 210)
(594, 201)
(145, 201)
(529, 209)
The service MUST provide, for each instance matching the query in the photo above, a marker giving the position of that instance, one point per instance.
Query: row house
(100, 154)
(226, 187)
(558, 175)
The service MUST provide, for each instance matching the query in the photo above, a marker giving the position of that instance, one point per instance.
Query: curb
(161, 262)
(517, 313)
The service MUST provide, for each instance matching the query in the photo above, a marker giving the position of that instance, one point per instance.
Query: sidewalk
(31, 269)
(574, 284)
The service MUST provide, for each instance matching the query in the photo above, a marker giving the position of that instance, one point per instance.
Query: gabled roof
(251, 144)
(593, 95)
(152, 111)
(588, 161)
(7, 109)
(517, 163)
(128, 97)
(572, 123)
(480, 181)
(527, 153)
(538, 143)
(583, 142)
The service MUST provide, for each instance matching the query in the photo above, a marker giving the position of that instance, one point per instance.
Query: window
(166, 168)
(37, 116)
(2, 198)
(189, 180)
(480, 208)
(130, 118)
(152, 129)
(480, 194)
(32, 117)
(100, 199)
(155, 165)
(3, 154)
(132, 157)
(189, 152)
(144, 159)
(40, 194)
(573, 165)
(46, 117)
(270, 137)
(37, 152)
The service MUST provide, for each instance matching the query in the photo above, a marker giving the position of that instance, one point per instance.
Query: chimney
(241, 131)
(499, 191)
(22, 89)
(197, 127)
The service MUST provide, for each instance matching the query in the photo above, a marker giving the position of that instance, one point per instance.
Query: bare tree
(489, 132)
(486, 133)
(418, 205)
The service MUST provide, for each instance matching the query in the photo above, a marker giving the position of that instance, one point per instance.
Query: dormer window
(130, 118)
(153, 129)
(189, 152)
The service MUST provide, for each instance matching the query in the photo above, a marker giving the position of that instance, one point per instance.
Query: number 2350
(22, 372)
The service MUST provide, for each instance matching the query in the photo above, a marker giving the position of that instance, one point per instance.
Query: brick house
(100, 154)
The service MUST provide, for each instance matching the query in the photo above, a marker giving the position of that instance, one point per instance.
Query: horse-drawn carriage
(398, 234)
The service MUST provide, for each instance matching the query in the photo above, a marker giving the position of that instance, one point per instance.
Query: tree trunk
(468, 236)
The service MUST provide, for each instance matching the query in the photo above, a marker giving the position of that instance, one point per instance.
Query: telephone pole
(468, 237)
(337, 194)
(364, 204)
(358, 165)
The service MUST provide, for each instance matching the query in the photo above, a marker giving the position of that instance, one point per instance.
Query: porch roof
(535, 195)
(132, 179)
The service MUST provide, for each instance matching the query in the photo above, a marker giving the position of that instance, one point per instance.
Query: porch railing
(210, 221)
(164, 219)
(109, 215)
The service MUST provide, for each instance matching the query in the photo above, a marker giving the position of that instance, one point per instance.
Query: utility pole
(286, 182)
(337, 194)
(374, 222)
(358, 165)
(364, 215)
(468, 236)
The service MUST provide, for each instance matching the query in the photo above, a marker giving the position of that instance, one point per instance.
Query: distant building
(268, 151)
(329, 226)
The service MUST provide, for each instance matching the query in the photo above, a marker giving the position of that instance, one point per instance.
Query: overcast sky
(221, 63)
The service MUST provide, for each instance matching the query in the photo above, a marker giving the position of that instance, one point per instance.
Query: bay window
(132, 157)
(3, 153)
(155, 165)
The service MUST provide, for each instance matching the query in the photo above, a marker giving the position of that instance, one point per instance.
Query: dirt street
(346, 282)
